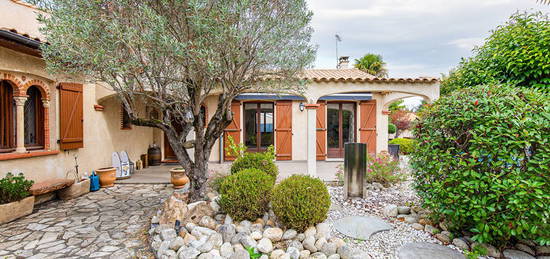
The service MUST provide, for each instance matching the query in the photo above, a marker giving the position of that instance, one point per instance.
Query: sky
(415, 37)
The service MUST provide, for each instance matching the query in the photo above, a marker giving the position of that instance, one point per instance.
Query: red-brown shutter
(321, 137)
(233, 130)
(367, 128)
(71, 116)
(283, 118)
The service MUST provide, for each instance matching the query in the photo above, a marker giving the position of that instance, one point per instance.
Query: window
(126, 122)
(34, 119)
(258, 120)
(7, 117)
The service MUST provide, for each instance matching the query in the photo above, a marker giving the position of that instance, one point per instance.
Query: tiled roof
(357, 76)
(22, 34)
(24, 4)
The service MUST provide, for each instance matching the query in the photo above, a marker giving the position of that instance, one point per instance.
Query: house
(46, 121)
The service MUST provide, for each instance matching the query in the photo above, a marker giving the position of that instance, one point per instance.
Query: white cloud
(467, 43)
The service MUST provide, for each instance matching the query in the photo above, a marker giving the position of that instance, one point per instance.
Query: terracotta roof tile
(20, 33)
(357, 76)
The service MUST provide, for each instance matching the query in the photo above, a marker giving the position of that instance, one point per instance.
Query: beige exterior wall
(20, 17)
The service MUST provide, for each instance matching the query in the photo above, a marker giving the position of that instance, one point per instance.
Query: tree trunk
(198, 177)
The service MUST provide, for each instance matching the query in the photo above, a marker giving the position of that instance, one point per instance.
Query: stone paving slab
(361, 227)
(424, 250)
(109, 223)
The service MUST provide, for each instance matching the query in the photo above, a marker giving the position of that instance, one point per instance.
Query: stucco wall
(19, 17)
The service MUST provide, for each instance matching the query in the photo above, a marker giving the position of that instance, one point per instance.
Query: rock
(360, 255)
(274, 234)
(443, 238)
(205, 247)
(309, 244)
(526, 248)
(404, 210)
(265, 245)
(228, 219)
(168, 234)
(411, 219)
(244, 226)
(543, 250)
(165, 245)
(187, 252)
(226, 250)
(168, 254)
(200, 232)
(323, 230)
(300, 237)
(214, 206)
(431, 229)
(334, 256)
(304, 254)
(154, 220)
(296, 244)
(460, 243)
(240, 254)
(216, 240)
(293, 252)
(190, 226)
(290, 234)
(318, 255)
(491, 250)
(196, 210)
(443, 226)
(237, 238)
(256, 235)
(259, 221)
(311, 231)
(207, 222)
(424, 221)
(173, 209)
(49, 186)
(417, 226)
(228, 232)
(277, 253)
(176, 243)
(257, 227)
(361, 227)
(426, 250)
(329, 248)
(247, 241)
(338, 241)
(188, 239)
(391, 210)
(516, 254)
(320, 243)
(345, 252)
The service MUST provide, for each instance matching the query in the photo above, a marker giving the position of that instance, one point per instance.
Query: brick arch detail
(15, 82)
(44, 90)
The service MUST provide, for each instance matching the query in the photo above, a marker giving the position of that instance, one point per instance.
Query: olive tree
(172, 54)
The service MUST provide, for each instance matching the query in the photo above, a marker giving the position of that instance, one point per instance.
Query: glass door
(340, 127)
(258, 123)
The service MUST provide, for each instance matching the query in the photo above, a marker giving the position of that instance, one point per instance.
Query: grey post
(355, 167)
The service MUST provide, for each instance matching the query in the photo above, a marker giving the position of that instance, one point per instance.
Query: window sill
(11, 156)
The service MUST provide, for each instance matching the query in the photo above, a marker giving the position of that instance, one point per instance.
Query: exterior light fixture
(302, 107)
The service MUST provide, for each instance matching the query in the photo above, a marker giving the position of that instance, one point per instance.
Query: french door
(340, 127)
(258, 124)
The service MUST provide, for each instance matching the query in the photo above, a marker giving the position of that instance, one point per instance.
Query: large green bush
(14, 188)
(246, 194)
(260, 160)
(515, 53)
(391, 128)
(482, 162)
(300, 201)
(406, 146)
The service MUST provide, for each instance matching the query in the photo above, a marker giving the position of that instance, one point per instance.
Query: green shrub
(14, 188)
(383, 169)
(246, 194)
(482, 162)
(261, 160)
(406, 146)
(392, 128)
(300, 201)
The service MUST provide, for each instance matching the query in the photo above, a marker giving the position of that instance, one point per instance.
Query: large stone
(290, 234)
(256, 235)
(320, 243)
(168, 234)
(309, 244)
(227, 231)
(240, 254)
(311, 231)
(329, 248)
(197, 210)
(322, 230)
(207, 222)
(361, 227)
(247, 241)
(48, 186)
(417, 226)
(318, 255)
(426, 250)
(177, 243)
(431, 229)
(188, 253)
(461, 243)
(304, 254)
(274, 234)
(404, 210)
(443, 238)
(75, 190)
(173, 209)
(543, 250)
(345, 252)
(265, 245)
(516, 254)
(244, 226)
(334, 256)
(525, 248)
(293, 252)
(226, 250)
(391, 210)
(200, 232)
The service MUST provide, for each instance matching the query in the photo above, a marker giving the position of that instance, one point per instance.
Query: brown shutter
(233, 130)
(321, 137)
(71, 116)
(283, 118)
(367, 128)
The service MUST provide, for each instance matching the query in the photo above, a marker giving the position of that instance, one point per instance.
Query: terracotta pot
(107, 176)
(178, 177)
(14, 210)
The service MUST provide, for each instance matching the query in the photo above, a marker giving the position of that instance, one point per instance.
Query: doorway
(340, 127)
(258, 124)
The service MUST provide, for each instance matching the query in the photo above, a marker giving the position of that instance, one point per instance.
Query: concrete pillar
(20, 123)
(312, 139)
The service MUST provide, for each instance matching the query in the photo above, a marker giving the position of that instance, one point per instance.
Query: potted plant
(178, 177)
(107, 176)
(15, 198)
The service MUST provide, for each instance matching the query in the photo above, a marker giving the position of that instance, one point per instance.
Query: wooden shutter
(321, 138)
(71, 116)
(283, 118)
(7, 121)
(233, 130)
(367, 125)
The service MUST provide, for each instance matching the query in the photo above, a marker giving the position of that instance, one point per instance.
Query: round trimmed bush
(482, 162)
(300, 201)
(392, 128)
(262, 161)
(246, 194)
(406, 145)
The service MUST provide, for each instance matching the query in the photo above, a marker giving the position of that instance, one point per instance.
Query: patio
(326, 170)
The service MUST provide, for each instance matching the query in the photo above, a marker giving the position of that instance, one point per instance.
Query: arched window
(34, 119)
(7, 117)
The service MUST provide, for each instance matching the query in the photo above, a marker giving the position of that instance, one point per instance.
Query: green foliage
(300, 201)
(252, 253)
(14, 188)
(233, 149)
(372, 64)
(246, 194)
(397, 105)
(482, 162)
(406, 146)
(260, 160)
(391, 128)
(383, 169)
(515, 53)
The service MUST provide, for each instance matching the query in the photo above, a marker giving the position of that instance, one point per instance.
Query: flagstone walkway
(109, 223)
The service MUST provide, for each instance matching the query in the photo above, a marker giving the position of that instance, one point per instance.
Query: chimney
(343, 62)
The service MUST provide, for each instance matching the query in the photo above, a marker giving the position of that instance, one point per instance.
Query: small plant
(216, 180)
(14, 188)
(300, 201)
(246, 194)
(340, 174)
(383, 169)
(233, 149)
(406, 146)
(392, 128)
(252, 252)
(477, 251)
(262, 160)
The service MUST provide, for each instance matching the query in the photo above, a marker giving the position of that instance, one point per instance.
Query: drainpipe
(221, 148)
